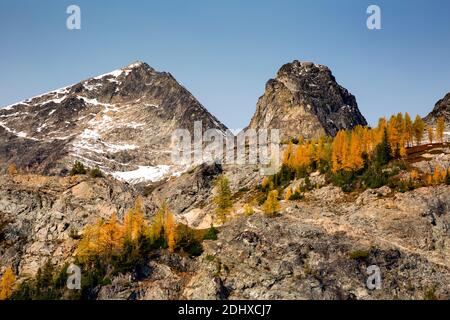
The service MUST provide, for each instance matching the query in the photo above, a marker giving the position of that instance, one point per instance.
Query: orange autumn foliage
(7, 282)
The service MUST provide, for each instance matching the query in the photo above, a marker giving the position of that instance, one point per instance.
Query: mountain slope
(121, 121)
(305, 99)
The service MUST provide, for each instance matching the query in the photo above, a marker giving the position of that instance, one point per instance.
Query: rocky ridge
(441, 109)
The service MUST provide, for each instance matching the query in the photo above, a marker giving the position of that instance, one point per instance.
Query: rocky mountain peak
(121, 121)
(299, 68)
(305, 99)
(441, 109)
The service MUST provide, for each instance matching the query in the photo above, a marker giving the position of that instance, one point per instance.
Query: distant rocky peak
(441, 109)
(135, 67)
(305, 100)
(299, 68)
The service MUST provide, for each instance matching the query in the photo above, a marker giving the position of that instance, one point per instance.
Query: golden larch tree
(170, 230)
(419, 127)
(440, 127)
(395, 133)
(134, 223)
(7, 283)
(338, 151)
(356, 160)
(409, 130)
(111, 237)
(437, 176)
(248, 210)
(156, 229)
(271, 206)
(287, 155)
(288, 194)
(382, 125)
(265, 182)
(90, 244)
(414, 175)
(223, 198)
(430, 134)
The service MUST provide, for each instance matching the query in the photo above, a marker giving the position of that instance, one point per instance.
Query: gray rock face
(441, 109)
(189, 191)
(161, 279)
(305, 100)
(42, 217)
(117, 121)
(317, 248)
(191, 195)
(321, 250)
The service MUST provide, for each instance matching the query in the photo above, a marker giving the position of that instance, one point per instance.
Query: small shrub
(12, 170)
(248, 210)
(308, 184)
(344, 179)
(77, 169)
(96, 173)
(187, 241)
(105, 281)
(375, 177)
(296, 196)
(211, 234)
(74, 234)
(359, 254)
(195, 249)
(261, 199)
(430, 294)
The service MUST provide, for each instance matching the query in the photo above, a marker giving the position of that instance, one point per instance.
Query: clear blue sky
(224, 51)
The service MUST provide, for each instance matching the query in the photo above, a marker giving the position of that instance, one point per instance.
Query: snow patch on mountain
(20, 134)
(143, 174)
(115, 74)
(126, 133)
(119, 147)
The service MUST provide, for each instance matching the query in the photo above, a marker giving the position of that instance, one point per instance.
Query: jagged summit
(121, 121)
(305, 99)
(137, 63)
(112, 76)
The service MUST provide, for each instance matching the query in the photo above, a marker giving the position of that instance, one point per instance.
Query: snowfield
(143, 174)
